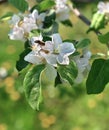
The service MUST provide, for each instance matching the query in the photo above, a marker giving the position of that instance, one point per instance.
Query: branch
(82, 17)
(85, 20)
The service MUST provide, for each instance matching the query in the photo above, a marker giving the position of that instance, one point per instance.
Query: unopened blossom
(62, 10)
(103, 8)
(82, 65)
(25, 23)
(52, 52)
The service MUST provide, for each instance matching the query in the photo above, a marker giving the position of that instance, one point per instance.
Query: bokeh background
(64, 107)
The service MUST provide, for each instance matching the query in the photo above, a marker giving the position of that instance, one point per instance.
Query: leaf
(104, 38)
(6, 16)
(98, 22)
(21, 63)
(58, 80)
(68, 72)
(98, 76)
(44, 5)
(49, 19)
(83, 43)
(53, 29)
(67, 23)
(32, 86)
(22, 5)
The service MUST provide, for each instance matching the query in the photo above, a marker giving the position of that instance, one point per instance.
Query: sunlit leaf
(32, 86)
(6, 16)
(44, 5)
(83, 43)
(68, 73)
(22, 5)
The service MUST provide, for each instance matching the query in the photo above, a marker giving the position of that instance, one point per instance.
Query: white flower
(62, 10)
(52, 52)
(58, 51)
(17, 33)
(82, 65)
(35, 56)
(39, 18)
(14, 20)
(103, 8)
(22, 25)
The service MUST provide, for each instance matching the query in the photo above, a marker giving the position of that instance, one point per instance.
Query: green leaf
(49, 19)
(53, 29)
(68, 73)
(98, 22)
(98, 76)
(83, 43)
(21, 63)
(22, 5)
(6, 16)
(44, 5)
(58, 80)
(67, 23)
(104, 38)
(32, 86)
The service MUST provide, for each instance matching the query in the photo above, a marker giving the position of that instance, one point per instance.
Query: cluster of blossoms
(23, 24)
(103, 8)
(52, 52)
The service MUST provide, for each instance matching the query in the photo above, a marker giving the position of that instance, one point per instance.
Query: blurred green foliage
(64, 107)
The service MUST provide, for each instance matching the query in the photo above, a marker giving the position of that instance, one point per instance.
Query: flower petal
(67, 48)
(56, 39)
(34, 59)
(64, 60)
(51, 59)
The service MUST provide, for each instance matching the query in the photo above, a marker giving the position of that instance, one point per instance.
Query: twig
(82, 17)
(85, 20)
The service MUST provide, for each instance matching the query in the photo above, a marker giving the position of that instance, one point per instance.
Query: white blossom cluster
(103, 8)
(22, 25)
(52, 52)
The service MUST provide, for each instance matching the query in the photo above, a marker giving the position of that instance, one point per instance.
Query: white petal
(34, 14)
(34, 59)
(79, 78)
(64, 60)
(42, 16)
(67, 48)
(16, 34)
(56, 39)
(62, 14)
(48, 46)
(51, 59)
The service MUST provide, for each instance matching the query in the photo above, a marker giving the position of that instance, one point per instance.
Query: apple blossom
(82, 65)
(52, 52)
(62, 10)
(22, 25)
